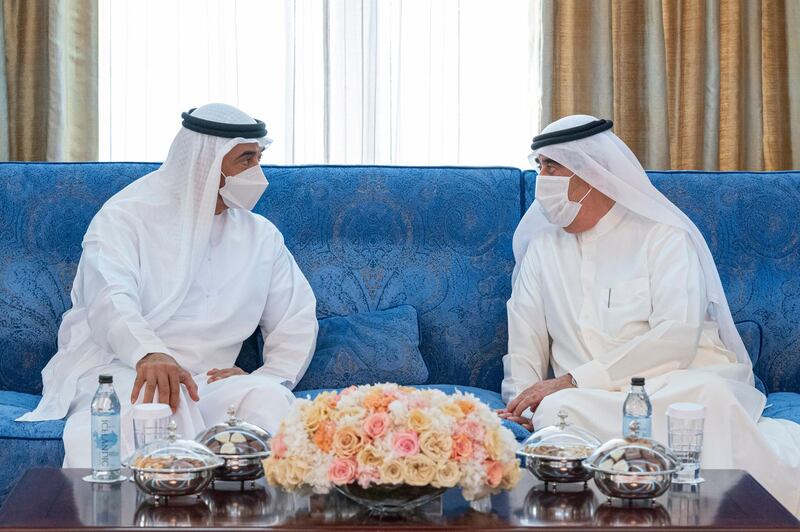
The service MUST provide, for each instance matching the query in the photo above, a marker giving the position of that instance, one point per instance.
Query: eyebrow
(249, 153)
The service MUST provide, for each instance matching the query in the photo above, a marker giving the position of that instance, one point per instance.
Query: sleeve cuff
(592, 375)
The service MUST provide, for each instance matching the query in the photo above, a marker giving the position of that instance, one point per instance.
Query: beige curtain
(690, 84)
(51, 79)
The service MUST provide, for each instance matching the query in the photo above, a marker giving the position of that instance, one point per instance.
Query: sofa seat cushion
(490, 398)
(783, 405)
(13, 405)
(365, 348)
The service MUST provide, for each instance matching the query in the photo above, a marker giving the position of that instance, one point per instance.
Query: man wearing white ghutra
(613, 281)
(175, 274)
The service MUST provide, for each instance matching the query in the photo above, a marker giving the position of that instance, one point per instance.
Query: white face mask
(242, 191)
(552, 193)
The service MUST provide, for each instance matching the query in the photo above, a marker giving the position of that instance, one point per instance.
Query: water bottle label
(105, 442)
(644, 426)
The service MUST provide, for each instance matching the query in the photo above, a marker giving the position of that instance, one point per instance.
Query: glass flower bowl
(390, 498)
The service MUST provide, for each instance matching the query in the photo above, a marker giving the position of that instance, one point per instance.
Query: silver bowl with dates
(240, 445)
(173, 467)
(556, 453)
(633, 467)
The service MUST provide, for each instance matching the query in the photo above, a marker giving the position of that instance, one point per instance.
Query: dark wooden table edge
(415, 529)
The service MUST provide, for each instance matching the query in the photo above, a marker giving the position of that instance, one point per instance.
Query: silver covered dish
(173, 467)
(633, 467)
(240, 445)
(556, 453)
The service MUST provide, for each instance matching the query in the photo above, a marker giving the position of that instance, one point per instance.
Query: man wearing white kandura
(175, 274)
(613, 281)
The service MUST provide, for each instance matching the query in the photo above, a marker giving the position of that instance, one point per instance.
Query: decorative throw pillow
(366, 348)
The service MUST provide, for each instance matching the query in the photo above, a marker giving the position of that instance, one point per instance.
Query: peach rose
(378, 401)
(436, 445)
(494, 473)
(323, 438)
(447, 475)
(405, 443)
(452, 410)
(418, 420)
(419, 470)
(274, 470)
(342, 471)
(462, 447)
(392, 472)
(313, 415)
(370, 457)
(376, 424)
(278, 446)
(466, 406)
(347, 441)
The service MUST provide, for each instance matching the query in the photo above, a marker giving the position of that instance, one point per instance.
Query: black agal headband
(572, 133)
(221, 129)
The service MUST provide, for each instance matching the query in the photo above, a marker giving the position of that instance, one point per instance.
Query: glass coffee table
(57, 499)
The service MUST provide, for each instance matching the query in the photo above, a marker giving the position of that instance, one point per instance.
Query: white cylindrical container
(685, 432)
(150, 422)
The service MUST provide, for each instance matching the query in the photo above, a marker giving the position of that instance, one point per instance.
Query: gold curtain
(51, 79)
(694, 84)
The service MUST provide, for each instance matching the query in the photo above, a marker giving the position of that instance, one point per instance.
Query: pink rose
(405, 443)
(376, 424)
(494, 473)
(342, 471)
(462, 447)
(279, 446)
(471, 428)
(368, 476)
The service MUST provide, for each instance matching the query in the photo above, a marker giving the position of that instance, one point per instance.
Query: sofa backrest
(751, 222)
(367, 238)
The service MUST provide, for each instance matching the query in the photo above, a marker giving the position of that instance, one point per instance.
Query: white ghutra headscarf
(607, 164)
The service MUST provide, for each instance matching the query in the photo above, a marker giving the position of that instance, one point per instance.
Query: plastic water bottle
(637, 407)
(105, 432)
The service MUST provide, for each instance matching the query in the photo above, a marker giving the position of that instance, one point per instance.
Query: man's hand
(525, 422)
(219, 374)
(159, 371)
(531, 397)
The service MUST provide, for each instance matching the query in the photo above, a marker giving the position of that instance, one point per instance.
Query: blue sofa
(370, 238)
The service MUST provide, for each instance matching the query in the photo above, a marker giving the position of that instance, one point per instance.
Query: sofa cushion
(783, 405)
(366, 348)
(490, 398)
(13, 405)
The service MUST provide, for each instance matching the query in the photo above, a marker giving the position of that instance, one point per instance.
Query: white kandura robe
(248, 279)
(627, 298)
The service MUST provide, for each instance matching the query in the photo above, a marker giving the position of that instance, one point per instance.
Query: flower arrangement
(387, 434)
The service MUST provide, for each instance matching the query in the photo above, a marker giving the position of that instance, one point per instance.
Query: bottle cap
(106, 379)
(637, 381)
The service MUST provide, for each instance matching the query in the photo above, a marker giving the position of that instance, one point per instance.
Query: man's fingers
(531, 401)
(163, 387)
(137, 387)
(174, 390)
(149, 389)
(191, 386)
(212, 371)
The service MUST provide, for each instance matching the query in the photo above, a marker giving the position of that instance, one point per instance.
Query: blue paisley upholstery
(374, 238)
